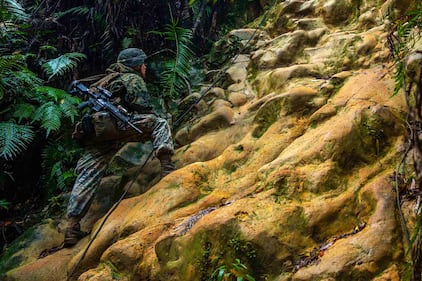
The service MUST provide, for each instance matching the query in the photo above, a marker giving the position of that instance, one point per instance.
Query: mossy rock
(337, 11)
(30, 245)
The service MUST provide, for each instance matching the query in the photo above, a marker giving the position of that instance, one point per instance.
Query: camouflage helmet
(131, 57)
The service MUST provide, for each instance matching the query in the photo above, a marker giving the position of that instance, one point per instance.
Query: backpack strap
(105, 80)
(91, 79)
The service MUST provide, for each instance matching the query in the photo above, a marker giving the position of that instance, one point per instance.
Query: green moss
(366, 206)
(197, 257)
(346, 219)
(266, 116)
(281, 189)
(296, 221)
(174, 185)
(372, 134)
(11, 258)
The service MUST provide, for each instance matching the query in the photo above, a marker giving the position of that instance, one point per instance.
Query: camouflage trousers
(92, 165)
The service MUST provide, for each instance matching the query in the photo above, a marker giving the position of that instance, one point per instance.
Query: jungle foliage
(29, 108)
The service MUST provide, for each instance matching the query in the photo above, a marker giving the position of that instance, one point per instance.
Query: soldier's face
(143, 70)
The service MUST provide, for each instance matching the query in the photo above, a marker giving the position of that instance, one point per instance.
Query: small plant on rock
(236, 271)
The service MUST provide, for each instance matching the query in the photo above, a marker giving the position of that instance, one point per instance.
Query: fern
(68, 108)
(4, 204)
(57, 175)
(79, 10)
(66, 103)
(63, 64)
(177, 70)
(49, 93)
(56, 104)
(23, 111)
(13, 74)
(14, 139)
(48, 49)
(11, 62)
(7, 28)
(15, 10)
(402, 43)
(49, 115)
(59, 158)
(27, 78)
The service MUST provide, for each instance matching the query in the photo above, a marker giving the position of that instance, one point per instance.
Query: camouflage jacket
(128, 88)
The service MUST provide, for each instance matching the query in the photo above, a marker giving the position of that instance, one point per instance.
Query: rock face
(286, 170)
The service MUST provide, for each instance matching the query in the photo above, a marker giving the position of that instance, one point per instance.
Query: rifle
(98, 101)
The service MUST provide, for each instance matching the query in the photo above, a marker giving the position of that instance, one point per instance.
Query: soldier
(125, 80)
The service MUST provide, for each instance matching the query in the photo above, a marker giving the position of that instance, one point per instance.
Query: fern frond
(58, 160)
(10, 63)
(57, 176)
(27, 77)
(63, 64)
(177, 71)
(50, 93)
(4, 204)
(65, 102)
(69, 109)
(79, 10)
(7, 28)
(48, 48)
(23, 111)
(66, 151)
(14, 139)
(49, 114)
(15, 10)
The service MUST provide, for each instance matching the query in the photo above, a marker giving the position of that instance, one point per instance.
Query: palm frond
(14, 139)
(63, 64)
(15, 10)
(49, 114)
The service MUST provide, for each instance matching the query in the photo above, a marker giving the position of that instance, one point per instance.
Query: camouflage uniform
(129, 90)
